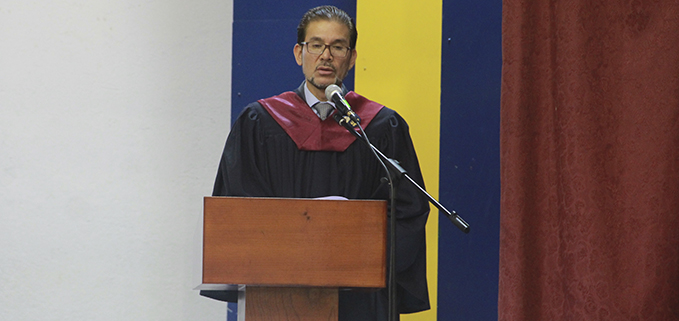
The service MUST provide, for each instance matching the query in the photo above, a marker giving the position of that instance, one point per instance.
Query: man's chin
(323, 85)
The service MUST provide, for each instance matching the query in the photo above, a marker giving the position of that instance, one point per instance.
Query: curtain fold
(590, 161)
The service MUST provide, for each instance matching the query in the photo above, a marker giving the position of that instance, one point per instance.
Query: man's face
(323, 70)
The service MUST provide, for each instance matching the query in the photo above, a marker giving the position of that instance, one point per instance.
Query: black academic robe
(261, 160)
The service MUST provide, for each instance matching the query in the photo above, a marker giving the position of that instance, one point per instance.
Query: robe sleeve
(243, 170)
(412, 211)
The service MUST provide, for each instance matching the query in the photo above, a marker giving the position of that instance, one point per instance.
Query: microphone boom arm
(398, 171)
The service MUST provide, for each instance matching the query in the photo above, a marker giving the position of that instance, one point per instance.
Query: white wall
(113, 115)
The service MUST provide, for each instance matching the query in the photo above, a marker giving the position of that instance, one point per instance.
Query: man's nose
(326, 55)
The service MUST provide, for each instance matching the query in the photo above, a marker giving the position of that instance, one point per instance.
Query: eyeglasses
(317, 48)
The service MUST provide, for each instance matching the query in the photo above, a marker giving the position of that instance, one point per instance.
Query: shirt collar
(310, 98)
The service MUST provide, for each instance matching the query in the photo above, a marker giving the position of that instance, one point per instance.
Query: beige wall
(113, 115)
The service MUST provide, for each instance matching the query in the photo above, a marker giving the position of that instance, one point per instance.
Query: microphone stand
(394, 169)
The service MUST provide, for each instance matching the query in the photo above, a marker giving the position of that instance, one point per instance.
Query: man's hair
(327, 13)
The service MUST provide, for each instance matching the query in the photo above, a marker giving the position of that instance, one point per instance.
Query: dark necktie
(324, 109)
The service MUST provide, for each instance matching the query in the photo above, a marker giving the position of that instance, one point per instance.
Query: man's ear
(352, 62)
(297, 51)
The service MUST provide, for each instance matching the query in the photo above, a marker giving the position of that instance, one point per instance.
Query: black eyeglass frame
(326, 46)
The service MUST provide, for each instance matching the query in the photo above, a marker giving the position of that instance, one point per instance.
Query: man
(284, 146)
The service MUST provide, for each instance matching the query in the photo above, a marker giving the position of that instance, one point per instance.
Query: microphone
(334, 93)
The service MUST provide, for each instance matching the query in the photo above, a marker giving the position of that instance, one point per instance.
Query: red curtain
(590, 160)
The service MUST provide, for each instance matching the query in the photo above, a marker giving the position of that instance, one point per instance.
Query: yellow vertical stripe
(399, 65)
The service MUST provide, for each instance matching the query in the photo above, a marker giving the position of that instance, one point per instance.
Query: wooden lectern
(293, 255)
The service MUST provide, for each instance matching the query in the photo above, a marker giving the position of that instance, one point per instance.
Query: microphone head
(331, 90)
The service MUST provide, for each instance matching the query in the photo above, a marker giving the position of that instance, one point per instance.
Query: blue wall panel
(470, 158)
(264, 33)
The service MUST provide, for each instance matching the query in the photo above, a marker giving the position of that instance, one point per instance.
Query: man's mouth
(325, 70)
